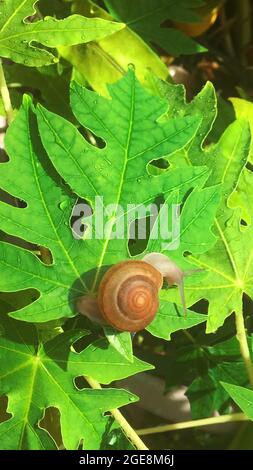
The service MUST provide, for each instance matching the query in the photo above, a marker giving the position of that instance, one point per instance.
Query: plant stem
(128, 430)
(242, 338)
(5, 95)
(194, 424)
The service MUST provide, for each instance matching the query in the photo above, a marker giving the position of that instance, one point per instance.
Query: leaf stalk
(128, 430)
(244, 348)
(194, 424)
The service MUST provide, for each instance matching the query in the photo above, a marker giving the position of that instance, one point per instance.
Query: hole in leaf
(12, 301)
(82, 343)
(92, 138)
(81, 383)
(18, 242)
(137, 244)
(247, 310)
(11, 200)
(200, 307)
(4, 414)
(45, 255)
(82, 210)
(243, 223)
(158, 166)
(249, 166)
(51, 422)
(58, 8)
(3, 156)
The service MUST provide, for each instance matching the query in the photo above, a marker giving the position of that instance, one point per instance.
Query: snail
(128, 294)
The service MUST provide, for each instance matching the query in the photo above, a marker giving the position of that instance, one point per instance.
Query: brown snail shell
(128, 295)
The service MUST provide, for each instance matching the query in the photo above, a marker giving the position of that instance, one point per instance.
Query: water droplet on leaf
(63, 205)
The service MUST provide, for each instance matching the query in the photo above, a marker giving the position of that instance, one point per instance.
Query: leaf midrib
(45, 31)
(29, 401)
(131, 122)
(13, 15)
(150, 14)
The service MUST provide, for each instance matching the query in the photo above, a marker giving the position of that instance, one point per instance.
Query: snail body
(128, 294)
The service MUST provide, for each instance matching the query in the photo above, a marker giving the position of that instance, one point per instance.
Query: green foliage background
(130, 135)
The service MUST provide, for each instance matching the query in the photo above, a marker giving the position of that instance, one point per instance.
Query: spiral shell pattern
(128, 295)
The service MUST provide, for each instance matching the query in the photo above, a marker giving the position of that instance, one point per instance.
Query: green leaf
(146, 18)
(170, 318)
(228, 265)
(17, 34)
(46, 85)
(105, 61)
(121, 341)
(195, 237)
(102, 362)
(242, 397)
(225, 116)
(203, 105)
(242, 198)
(117, 172)
(36, 376)
(244, 109)
(223, 363)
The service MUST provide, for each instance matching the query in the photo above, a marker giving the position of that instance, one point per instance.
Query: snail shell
(128, 295)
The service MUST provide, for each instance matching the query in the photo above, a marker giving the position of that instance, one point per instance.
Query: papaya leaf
(46, 85)
(128, 123)
(106, 60)
(243, 397)
(170, 318)
(228, 265)
(18, 35)
(145, 18)
(121, 341)
(244, 109)
(35, 376)
(223, 362)
(101, 361)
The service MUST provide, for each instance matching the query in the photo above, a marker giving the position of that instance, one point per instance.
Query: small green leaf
(17, 34)
(243, 397)
(170, 318)
(101, 361)
(121, 341)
